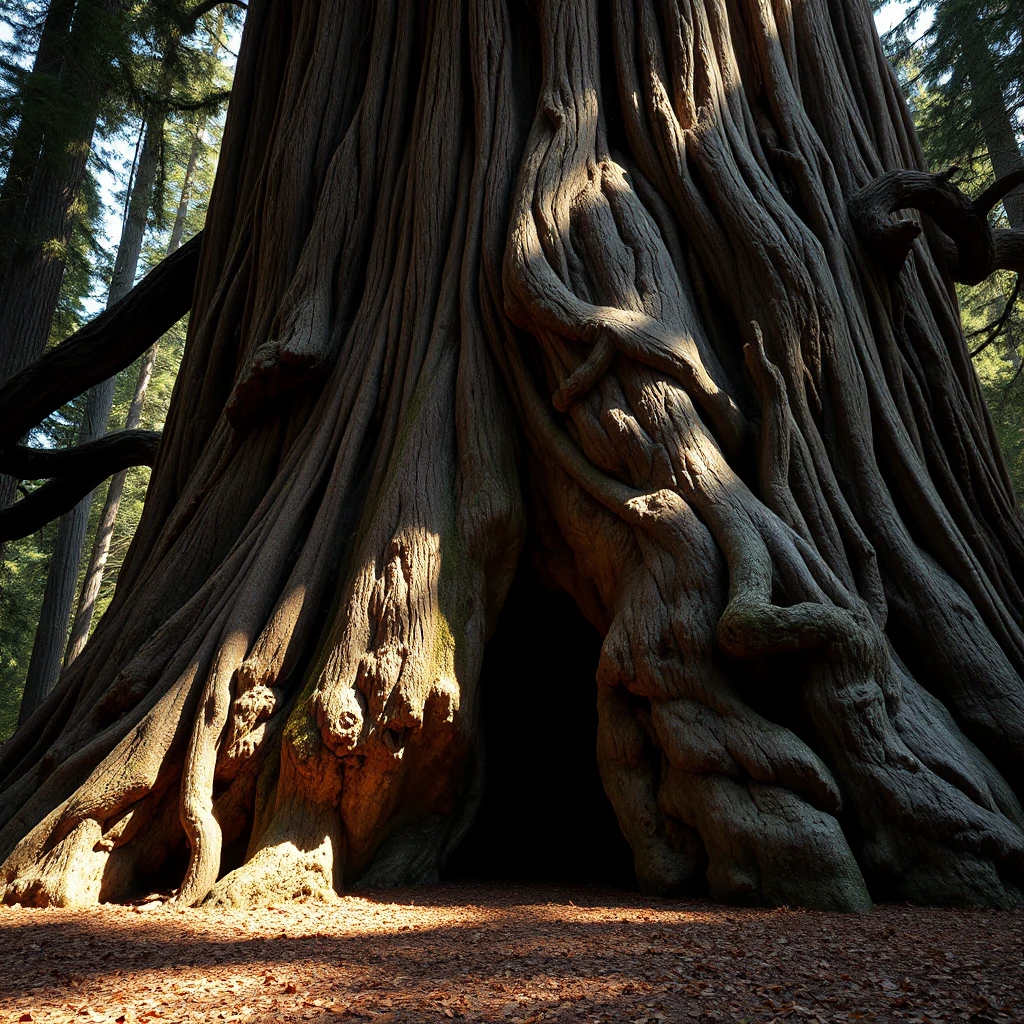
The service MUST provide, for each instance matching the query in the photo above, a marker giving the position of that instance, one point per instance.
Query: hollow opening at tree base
(544, 816)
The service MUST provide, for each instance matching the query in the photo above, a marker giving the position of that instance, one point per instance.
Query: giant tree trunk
(766, 473)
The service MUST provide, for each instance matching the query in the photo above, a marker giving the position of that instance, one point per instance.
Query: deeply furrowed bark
(753, 447)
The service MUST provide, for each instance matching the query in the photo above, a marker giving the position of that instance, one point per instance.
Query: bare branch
(75, 471)
(970, 258)
(208, 5)
(976, 249)
(103, 347)
(993, 330)
(998, 191)
(130, 447)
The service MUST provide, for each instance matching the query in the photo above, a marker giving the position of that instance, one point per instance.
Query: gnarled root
(297, 845)
(69, 875)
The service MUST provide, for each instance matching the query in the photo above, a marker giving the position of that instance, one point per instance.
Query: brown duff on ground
(509, 954)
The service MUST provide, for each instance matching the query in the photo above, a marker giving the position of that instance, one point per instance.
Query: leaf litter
(509, 954)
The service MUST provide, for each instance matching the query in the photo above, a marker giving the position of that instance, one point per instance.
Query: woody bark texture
(627, 272)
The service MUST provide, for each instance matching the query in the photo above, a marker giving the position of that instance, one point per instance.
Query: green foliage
(87, 262)
(22, 580)
(20, 24)
(1000, 361)
(184, 135)
(48, 102)
(181, 78)
(948, 53)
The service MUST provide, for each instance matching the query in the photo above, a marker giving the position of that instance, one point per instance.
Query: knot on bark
(254, 704)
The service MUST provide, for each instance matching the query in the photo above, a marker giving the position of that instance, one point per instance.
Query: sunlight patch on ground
(508, 953)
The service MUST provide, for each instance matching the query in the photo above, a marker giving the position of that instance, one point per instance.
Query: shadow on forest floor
(509, 953)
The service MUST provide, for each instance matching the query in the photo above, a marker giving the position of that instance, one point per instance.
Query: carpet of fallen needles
(509, 953)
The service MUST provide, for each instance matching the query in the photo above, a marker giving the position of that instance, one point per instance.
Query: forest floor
(509, 953)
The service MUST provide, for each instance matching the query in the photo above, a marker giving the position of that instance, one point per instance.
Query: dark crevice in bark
(544, 814)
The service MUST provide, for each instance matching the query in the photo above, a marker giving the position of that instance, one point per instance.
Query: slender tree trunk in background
(58, 597)
(37, 222)
(186, 192)
(62, 576)
(42, 182)
(627, 269)
(43, 84)
(129, 248)
(989, 107)
(93, 580)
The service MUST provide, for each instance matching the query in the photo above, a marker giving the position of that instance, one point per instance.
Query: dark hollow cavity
(544, 815)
